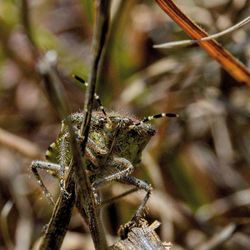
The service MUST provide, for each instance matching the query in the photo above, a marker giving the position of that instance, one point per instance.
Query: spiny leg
(35, 165)
(136, 219)
(121, 173)
(121, 167)
(109, 201)
(64, 160)
(59, 152)
(58, 169)
(113, 199)
(140, 184)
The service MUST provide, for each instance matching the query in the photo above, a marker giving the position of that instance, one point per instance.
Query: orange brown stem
(231, 64)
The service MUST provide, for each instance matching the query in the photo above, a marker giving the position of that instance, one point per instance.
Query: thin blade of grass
(231, 29)
(232, 65)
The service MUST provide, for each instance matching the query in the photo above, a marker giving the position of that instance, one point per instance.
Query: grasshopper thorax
(119, 132)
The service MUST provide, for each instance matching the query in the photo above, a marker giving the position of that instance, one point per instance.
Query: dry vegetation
(199, 165)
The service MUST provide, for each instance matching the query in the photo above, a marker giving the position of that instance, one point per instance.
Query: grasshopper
(113, 150)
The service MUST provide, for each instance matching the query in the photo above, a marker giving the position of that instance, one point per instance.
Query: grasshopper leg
(35, 165)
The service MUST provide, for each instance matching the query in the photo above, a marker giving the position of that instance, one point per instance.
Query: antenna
(79, 79)
(150, 118)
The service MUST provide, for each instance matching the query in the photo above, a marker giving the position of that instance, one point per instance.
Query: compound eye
(133, 133)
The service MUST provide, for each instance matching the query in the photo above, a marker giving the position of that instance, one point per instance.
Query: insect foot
(126, 228)
(139, 214)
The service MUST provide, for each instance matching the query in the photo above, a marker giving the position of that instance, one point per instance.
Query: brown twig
(86, 200)
(59, 221)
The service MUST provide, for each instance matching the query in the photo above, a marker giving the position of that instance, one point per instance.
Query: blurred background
(199, 164)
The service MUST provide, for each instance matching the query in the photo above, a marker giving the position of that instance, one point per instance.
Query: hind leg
(140, 185)
(115, 169)
(57, 169)
(139, 214)
(54, 168)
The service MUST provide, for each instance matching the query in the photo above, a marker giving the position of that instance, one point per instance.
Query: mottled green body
(118, 137)
(113, 149)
